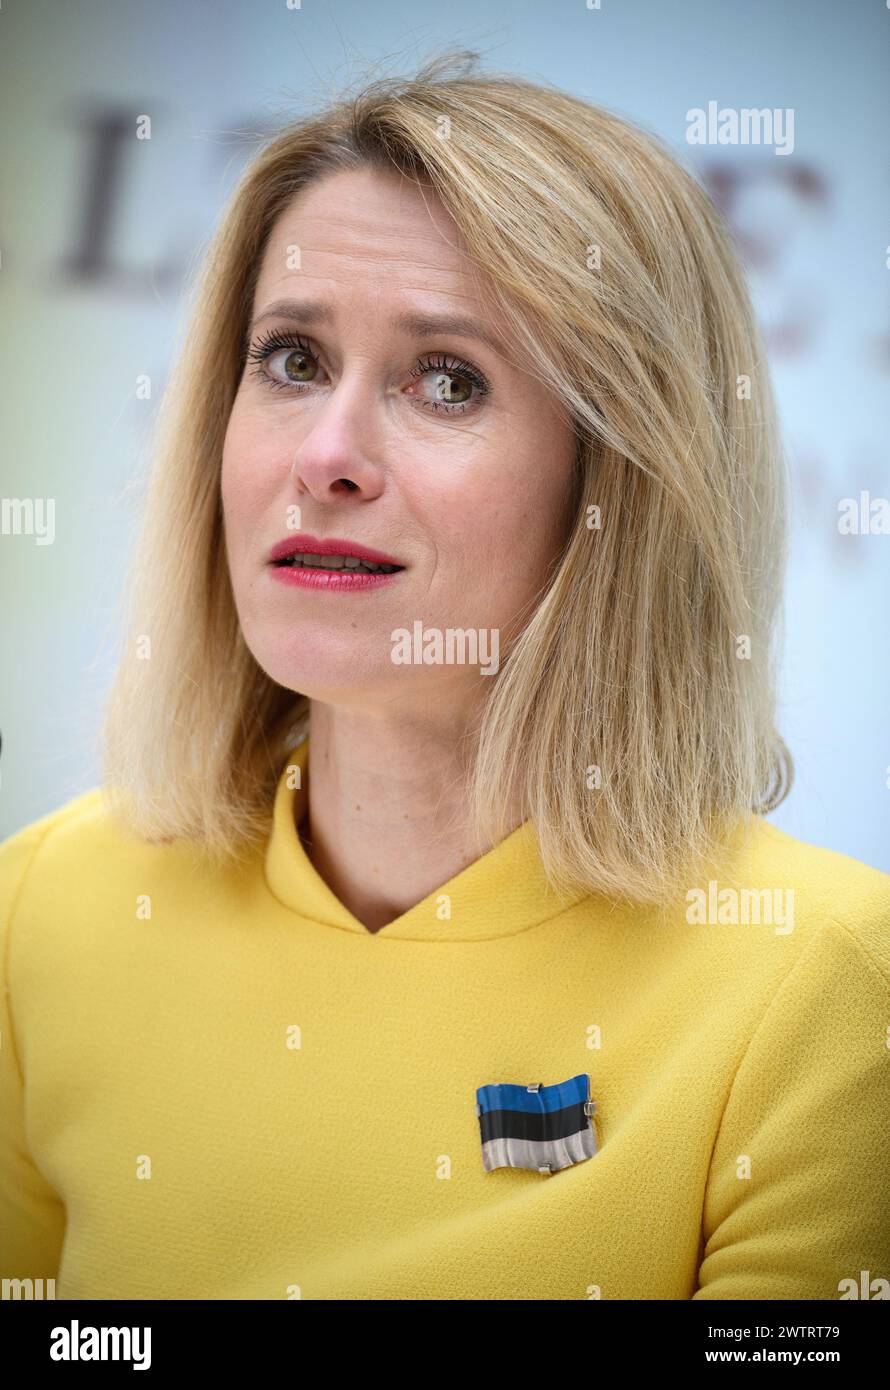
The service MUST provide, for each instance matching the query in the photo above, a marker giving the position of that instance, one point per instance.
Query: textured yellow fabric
(248, 1095)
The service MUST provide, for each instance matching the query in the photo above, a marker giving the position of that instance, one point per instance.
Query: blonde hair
(634, 715)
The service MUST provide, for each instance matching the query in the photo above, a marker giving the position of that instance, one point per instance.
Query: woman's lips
(302, 542)
(339, 581)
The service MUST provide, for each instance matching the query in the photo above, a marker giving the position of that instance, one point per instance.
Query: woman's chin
(354, 678)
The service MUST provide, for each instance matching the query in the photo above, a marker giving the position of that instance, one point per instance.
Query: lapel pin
(544, 1128)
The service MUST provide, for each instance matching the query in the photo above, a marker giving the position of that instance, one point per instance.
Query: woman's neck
(388, 817)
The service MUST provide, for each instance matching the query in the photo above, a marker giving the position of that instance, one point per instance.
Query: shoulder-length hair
(633, 717)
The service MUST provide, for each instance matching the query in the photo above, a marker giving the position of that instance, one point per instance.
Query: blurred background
(101, 234)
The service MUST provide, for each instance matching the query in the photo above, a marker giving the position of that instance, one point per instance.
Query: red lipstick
(291, 562)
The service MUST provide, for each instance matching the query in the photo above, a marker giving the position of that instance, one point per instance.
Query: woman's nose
(339, 452)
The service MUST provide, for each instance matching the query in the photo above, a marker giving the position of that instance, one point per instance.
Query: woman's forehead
(364, 236)
(375, 215)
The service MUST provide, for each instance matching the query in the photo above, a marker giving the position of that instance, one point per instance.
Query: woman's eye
(451, 385)
(298, 366)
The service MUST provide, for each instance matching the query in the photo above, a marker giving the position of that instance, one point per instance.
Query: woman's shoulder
(825, 887)
(805, 856)
(75, 855)
(805, 1108)
(82, 818)
(47, 862)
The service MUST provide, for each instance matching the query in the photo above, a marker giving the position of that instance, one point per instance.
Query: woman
(426, 938)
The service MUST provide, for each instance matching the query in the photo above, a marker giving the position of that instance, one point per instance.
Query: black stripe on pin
(529, 1124)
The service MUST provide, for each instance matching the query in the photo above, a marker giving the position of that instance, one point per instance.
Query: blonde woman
(426, 938)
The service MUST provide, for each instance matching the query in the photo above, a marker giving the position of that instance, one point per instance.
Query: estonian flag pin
(544, 1128)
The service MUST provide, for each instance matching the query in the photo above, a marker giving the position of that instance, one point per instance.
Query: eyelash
(275, 341)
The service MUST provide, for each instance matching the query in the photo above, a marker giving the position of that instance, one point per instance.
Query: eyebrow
(421, 325)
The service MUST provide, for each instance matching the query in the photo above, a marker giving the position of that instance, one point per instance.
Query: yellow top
(221, 1085)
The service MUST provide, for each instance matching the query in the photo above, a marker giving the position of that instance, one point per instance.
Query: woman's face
(421, 441)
